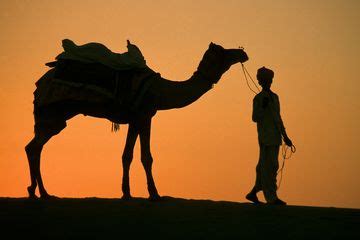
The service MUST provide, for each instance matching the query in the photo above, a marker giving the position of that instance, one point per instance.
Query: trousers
(266, 171)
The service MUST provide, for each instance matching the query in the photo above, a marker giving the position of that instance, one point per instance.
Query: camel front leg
(33, 152)
(147, 159)
(127, 159)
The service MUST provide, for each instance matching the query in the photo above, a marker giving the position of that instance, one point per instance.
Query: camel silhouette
(160, 94)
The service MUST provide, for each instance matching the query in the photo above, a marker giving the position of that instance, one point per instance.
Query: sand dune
(171, 218)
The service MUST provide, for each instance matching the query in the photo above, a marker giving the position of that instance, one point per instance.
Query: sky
(207, 150)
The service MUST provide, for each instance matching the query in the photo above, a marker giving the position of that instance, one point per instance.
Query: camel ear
(211, 44)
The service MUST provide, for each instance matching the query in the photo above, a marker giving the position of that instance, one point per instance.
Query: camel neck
(178, 94)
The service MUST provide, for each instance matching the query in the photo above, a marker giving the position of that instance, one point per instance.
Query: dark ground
(171, 218)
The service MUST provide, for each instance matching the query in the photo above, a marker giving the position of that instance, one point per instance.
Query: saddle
(94, 52)
(124, 76)
(87, 73)
(126, 86)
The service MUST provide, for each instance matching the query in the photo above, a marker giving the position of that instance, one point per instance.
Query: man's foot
(278, 202)
(46, 196)
(253, 198)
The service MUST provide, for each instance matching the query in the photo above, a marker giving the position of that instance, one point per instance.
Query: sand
(171, 218)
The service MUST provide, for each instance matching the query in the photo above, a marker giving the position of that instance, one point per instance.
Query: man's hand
(287, 141)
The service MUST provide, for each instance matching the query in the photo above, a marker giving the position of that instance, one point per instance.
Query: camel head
(217, 60)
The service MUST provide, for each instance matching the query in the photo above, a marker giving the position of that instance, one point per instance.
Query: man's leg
(251, 196)
(269, 170)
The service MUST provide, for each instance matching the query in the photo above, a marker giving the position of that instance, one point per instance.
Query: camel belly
(53, 117)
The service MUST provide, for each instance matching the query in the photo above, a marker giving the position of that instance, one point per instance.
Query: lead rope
(284, 147)
(245, 71)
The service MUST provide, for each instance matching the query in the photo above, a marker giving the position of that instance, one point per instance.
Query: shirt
(270, 126)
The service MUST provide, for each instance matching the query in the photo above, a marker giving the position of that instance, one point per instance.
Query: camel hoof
(31, 191)
(155, 198)
(126, 197)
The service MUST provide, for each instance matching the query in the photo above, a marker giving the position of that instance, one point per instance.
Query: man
(266, 113)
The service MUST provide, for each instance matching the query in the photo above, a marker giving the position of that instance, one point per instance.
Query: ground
(171, 218)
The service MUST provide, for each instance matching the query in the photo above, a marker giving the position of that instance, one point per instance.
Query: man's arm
(282, 129)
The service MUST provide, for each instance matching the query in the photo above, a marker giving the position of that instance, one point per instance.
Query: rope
(245, 71)
(284, 149)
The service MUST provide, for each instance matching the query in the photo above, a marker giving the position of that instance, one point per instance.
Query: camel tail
(115, 127)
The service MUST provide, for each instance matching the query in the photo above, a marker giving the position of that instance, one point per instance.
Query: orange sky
(208, 149)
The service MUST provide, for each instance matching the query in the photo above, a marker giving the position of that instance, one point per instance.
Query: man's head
(265, 77)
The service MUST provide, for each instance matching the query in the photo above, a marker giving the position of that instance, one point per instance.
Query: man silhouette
(270, 127)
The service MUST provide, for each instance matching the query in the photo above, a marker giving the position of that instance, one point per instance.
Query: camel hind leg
(33, 149)
(147, 159)
(127, 158)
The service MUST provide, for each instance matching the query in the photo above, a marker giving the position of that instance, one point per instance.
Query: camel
(161, 94)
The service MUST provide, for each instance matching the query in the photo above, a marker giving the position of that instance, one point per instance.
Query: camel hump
(67, 44)
(98, 53)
